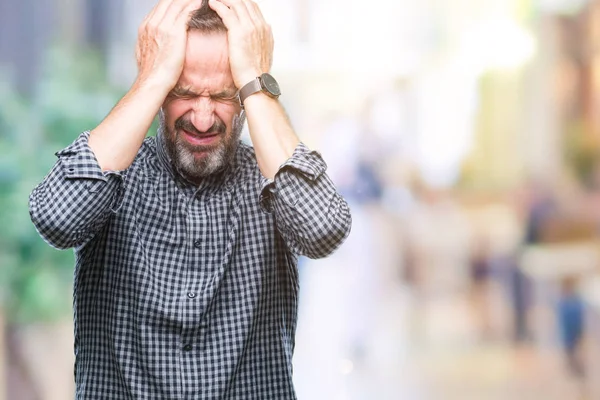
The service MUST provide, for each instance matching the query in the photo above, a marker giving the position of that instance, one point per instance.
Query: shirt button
(192, 295)
(197, 243)
(187, 347)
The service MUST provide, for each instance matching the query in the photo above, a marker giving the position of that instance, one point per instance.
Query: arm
(250, 54)
(311, 216)
(271, 133)
(162, 38)
(85, 187)
(76, 198)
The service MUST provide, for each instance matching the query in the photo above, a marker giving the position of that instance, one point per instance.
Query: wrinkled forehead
(206, 64)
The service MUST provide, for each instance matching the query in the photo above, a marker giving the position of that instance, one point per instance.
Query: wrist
(265, 84)
(247, 77)
(148, 95)
(153, 85)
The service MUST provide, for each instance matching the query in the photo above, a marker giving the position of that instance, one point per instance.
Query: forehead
(206, 62)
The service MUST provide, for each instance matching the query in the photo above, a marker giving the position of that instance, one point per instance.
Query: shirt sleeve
(76, 198)
(311, 215)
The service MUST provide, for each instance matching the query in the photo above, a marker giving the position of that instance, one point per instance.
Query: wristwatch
(264, 83)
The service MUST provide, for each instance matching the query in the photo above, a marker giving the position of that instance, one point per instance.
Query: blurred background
(465, 135)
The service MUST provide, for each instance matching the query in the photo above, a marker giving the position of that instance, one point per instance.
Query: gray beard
(215, 160)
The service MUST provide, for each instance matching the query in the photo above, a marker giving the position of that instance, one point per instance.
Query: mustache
(185, 124)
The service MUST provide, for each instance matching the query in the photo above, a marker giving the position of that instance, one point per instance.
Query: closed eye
(226, 97)
(182, 94)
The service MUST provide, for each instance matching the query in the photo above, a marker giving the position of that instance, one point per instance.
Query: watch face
(270, 84)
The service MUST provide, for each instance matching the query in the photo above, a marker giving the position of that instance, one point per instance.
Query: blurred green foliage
(73, 95)
(582, 151)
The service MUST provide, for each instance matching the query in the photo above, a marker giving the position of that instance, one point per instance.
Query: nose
(203, 113)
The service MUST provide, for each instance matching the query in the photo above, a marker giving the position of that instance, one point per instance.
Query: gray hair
(206, 20)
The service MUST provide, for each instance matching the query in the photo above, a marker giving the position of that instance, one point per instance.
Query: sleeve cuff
(79, 162)
(304, 161)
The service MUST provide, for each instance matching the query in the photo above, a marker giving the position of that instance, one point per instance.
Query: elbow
(50, 226)
(327, 238)
(52, 233)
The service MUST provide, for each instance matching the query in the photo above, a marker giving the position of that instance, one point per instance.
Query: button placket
(190, 340)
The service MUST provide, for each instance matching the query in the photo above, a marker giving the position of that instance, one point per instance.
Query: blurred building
(29, 27)
(576, 79)
(23, 37)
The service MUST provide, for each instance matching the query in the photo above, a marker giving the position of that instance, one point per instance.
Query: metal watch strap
(250, 88)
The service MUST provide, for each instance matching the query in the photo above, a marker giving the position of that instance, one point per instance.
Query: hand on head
(250, 38)
(162, 39)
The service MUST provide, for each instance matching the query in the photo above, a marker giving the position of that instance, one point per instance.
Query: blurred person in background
(539, 209)
(186, 244)
(480, 284)
(570, 316)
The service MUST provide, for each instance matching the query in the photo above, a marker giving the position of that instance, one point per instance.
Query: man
(186, 245)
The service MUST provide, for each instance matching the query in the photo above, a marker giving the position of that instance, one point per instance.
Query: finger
(240, 10)
(158, 12)
(183, 18)
(255, 12)
(227, 15)
(158, 22)
(176, 8)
